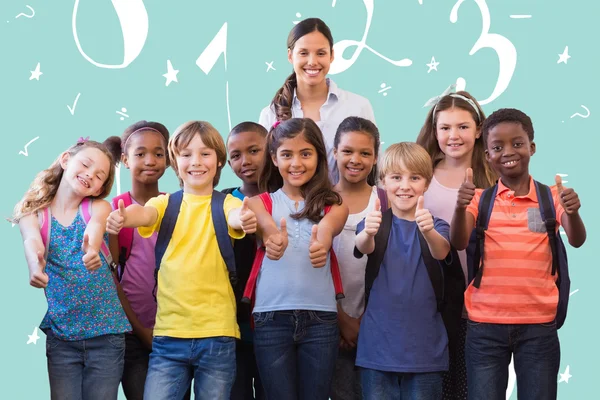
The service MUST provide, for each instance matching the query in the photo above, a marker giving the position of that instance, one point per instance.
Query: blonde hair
(43, 189)
(210, 137)
(409, 156)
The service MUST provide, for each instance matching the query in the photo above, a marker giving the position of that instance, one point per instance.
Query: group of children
(263, 291)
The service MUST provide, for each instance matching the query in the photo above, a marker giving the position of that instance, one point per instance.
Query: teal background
(256, 33)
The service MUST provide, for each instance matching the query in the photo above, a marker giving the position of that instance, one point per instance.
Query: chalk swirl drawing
(134, 26)
(506, 51)
(340, 64)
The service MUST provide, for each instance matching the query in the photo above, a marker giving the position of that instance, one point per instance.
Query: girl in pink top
(451, 135)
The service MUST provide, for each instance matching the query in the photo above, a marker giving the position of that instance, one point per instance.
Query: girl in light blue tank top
(85, 322)
(296, 334)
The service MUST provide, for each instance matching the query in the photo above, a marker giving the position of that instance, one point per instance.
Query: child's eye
(306, 154)
(234, 156)
(139, 154)
(518, 144)
(496, 148)
(366, 154)
(185, 155)
(346, 152)
(415, 177)
(254, 151)
(160, 155)
(464, 127)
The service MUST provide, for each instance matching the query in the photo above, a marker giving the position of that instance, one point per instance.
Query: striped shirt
(517, 286)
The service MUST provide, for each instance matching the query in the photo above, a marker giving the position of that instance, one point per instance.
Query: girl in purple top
(85, 322)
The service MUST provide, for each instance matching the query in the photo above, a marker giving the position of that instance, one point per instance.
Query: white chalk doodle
(384, 89)
(133, 18)
(573, 292)
(564, 57)
(227, 102)
(298, 15)
(566, 376)
(270, 66)
(333, 3)
(506, 51)
(341, 64)
(512, 378)
(122, 113)
(520, 16)
(171, 74)
(72, 110)
(34, 337)
(35, 74)
(581, 115)
(26, 152)
(432, 65)
(118, 178)
(26, 15)
(213, 51)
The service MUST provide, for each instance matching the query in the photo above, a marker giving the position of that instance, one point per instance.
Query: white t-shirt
(339, 105)
(352, 269)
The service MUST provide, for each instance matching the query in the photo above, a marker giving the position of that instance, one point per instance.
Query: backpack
(167, 226)
(446, 276)
(85, 210)
(125, 235)
(260, 255)
(559, 254)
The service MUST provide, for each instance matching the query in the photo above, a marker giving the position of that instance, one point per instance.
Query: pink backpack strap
(45, 223)
(85, 209)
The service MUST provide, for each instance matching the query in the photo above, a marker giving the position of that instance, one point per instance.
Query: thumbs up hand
(277, 243)
(247, 218)
(373, 219)
(116, 219)
(316, 249)
(91, 258)
(568, 198)
(466, 191)
(423, 217)
(37, 275)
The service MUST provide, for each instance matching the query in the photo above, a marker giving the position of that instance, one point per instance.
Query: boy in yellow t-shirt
(196, 328)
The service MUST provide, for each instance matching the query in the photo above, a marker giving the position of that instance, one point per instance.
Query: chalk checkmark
(26, 152)
(72, 110)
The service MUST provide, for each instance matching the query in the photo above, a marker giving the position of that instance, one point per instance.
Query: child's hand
(568, 198)
(316, 250)
(247, 218)
(91, 258)
(423, 217)
(37, 275)
(466, 191)
(373, 220)
(116, 219)
(277, 243)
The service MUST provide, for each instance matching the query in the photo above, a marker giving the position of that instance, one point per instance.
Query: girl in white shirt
(355, 149)
(308, 93)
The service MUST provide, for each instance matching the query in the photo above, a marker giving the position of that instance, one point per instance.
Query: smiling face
(197, 166)
(403, 188)
(246, 154)
(87, 171)
(355, 156)
(456, 132)
(311, 58)
(297, 162)
(509, 149)
(146, 157)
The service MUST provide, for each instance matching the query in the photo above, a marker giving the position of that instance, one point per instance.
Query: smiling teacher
(308, 93)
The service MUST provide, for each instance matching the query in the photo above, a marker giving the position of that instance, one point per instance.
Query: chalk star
(37, 73)
(432, 65)
(33, 338)
(171, 74)
(566, 376)
(564, 56)
(270, 66)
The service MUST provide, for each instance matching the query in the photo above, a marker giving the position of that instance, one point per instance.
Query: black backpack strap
(167, 226)
(229, 190)
(544, 195)
(376, 258)
(217, 203)
(486, 204)
(383, 200)
(434, 270)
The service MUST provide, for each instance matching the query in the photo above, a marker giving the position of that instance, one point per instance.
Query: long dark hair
(358, 124)
(483, 175)
(282, 101)
(318, 191)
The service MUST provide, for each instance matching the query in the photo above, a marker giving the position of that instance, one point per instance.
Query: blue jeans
(382, 385)
(85, 369)
(174, 362)
(536, 353)
(296, 353)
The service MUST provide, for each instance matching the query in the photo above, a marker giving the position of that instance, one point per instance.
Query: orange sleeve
(557, 205)
(473, 207)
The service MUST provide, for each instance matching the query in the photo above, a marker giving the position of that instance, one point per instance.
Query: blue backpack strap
(217, 203)
(167, 226)
(548, 213)
(486, 204)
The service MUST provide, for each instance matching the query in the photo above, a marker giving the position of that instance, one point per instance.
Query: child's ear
(229, 163)
(124, 160)
(487, 155)
(64, 159)
(335, 153)
(290, 56)
(274, 159)
(532, 148)
(332, 56)
(478, 133)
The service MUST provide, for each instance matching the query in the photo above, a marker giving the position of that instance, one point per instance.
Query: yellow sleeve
(229, 204)
(160, 204)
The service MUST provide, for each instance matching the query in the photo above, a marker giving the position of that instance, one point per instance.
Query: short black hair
(507, 115)
(248, 126)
